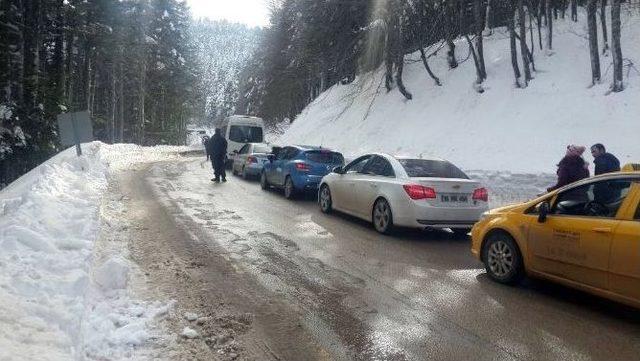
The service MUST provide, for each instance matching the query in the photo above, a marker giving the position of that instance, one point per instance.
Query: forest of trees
(129, 62)
(145, 68)
(312, 45)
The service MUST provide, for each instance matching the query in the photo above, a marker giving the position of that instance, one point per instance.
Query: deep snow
(60, 297)
(504, 129)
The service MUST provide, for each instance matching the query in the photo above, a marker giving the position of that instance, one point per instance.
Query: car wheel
(233, 170)
(382, 216)
(289, 189)
(245, 176)
(325, 199)
(264, 184)
(502, 258)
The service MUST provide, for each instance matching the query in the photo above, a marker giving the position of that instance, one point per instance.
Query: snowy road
(275, 279)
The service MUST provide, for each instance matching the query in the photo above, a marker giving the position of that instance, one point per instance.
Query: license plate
(453, 198)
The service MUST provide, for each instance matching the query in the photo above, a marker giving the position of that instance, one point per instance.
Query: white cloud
(250, 12)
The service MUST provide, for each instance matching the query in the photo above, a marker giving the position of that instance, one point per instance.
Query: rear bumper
(446, 223)
(307, 182)
(420, 214)
(253, 168)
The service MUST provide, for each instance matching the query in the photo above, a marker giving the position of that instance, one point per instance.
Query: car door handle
(602, 230)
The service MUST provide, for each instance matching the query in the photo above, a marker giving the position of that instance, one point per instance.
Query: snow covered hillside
(61, 296)
(504, 128)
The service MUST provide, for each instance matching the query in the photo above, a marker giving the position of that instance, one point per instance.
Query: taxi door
(624, 266)
(571, 243)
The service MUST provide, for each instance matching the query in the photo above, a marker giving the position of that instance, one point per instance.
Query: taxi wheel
(325, 199)
(502, 259)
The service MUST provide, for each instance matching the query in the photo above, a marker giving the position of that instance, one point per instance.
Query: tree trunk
(514, 52)
(479, 78)
(451, 52)
(477, 9)
(549, 25)
(399, 69)
(31, 60)
(523, 43)
(121, 100)
(616, 50)
(487, 19)
(539, 21)
(423, 56)
(593, 41)
(113, 108)
(397, 28)
(603, 21)
(574, 10)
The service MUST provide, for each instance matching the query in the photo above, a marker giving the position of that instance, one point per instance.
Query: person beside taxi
(572, 167)
(604, 162)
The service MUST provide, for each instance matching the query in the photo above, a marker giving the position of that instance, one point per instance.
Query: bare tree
(593, 41)
(523, 43)
(548, 7)
(423, 56)
(514, 51)
(603, 21)
(616, 50)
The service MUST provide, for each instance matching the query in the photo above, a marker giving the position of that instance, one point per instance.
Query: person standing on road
(605, 162)
(218, 154)
(571, 168)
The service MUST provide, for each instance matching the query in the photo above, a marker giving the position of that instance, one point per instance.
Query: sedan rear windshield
(324, 157)
(261, 148)
(245, 134)
(418, 168)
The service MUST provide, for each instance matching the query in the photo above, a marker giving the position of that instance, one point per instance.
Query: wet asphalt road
(416, 295)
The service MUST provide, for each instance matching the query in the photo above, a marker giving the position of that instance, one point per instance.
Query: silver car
(249, 160)
(408, 192)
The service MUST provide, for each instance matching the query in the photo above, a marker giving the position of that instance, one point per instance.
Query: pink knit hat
(575, 150)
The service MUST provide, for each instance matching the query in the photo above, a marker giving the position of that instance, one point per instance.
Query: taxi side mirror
(543, 211)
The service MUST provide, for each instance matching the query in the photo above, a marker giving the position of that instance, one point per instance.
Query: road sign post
(74, 129)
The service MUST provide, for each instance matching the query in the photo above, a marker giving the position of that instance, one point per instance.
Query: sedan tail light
(252, 159)
(481, 194)
(303, 167)
(416, 191)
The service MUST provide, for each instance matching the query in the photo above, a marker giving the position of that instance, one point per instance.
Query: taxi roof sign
(631, 167)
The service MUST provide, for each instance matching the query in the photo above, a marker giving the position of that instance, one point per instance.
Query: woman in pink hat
(572, 167)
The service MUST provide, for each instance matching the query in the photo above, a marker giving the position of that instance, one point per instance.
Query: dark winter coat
(218, 146)
(606, 163)
(570, 169)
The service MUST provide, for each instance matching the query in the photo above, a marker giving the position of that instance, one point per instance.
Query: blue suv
(298, 168)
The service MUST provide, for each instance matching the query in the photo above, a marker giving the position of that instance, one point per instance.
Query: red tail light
(481, 194)
(303, 167)
(252, 159)
(416, 191)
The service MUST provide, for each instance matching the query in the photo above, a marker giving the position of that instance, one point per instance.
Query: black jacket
(606, 163)
(217, 146)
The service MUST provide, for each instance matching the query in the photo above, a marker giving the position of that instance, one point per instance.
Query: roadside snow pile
(49, 220)
(503, 129)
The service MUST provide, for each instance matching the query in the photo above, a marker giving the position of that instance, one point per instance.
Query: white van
(239, 130)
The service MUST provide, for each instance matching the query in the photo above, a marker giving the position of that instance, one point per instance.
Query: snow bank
(505, 128)
(49, 221)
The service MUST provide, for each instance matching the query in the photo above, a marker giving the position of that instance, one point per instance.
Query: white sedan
(396, 191)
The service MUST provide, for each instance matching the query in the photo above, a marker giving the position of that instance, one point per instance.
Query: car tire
(289, 188)
(264, 183)
(382, 217)
(244, 174)
(325, 200)
(233, 170)
(502, 258)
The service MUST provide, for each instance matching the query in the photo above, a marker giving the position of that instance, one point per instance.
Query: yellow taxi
(585, 235)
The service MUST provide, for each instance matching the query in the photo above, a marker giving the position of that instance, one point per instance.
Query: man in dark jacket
(218, 152)
(571, 168)
(605, 162)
